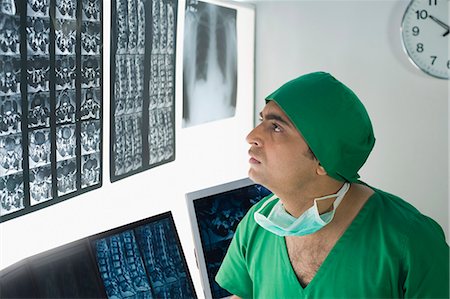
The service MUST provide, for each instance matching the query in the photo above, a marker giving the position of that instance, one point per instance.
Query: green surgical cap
(332, 120)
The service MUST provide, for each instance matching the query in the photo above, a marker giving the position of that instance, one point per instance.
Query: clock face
(425, 36)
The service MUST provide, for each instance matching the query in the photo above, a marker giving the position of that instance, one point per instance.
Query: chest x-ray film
(142, 85)
(209, 63)
(214, 214)
(50, 102)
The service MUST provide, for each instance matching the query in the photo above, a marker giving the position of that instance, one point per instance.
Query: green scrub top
(390, 250)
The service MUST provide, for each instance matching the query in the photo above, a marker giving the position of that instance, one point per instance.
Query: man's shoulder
(402, 216)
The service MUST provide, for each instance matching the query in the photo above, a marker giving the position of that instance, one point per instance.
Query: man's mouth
(252, 159)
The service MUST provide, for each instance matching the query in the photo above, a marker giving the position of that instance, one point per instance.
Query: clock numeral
(419, 47)
(415, 31)
(433, 59)
(432, 2)
(422, 14)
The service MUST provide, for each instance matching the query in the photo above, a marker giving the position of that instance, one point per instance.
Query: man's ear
(320, 170)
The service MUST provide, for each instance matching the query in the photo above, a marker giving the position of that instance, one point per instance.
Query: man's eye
(276, 128)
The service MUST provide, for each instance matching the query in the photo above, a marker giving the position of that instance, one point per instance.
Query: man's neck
(298, 201)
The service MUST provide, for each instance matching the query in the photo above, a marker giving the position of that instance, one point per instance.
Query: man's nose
(254, 137)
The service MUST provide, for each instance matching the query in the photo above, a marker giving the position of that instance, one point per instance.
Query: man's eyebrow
(273, 116)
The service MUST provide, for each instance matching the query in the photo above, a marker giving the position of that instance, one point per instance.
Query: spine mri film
(50, 102)
(142, 108)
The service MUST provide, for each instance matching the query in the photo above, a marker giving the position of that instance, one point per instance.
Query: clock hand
(442, 24)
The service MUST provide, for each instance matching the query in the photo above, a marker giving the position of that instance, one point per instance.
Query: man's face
(279, 157)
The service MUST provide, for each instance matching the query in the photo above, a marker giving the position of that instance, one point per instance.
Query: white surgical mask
(283, 224)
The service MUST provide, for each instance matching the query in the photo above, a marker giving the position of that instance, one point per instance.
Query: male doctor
(323, 233)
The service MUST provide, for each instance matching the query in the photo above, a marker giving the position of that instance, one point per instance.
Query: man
(324, 233)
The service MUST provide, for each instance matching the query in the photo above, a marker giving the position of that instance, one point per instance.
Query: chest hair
(307, 255)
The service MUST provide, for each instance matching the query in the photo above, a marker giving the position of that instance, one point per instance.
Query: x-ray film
(210, 63)
(143, 99)
(136, 261)
(215, 213)
(50, 102)
(143, 260)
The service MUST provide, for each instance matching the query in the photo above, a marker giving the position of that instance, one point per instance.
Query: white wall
(359, 43)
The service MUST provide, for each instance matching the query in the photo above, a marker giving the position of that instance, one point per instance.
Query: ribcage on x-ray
(209, 80)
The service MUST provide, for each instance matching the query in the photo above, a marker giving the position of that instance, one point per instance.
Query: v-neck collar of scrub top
(333, 254)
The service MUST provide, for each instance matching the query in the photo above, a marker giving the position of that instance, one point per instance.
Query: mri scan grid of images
(50, 131)
(140, 260)
(144, 262)
(217, 218)
(143, 140)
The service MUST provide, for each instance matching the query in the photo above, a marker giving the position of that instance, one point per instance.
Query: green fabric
(332, 120)
(390, 250)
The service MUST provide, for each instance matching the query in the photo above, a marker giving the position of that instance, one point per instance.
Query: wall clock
(425, 36)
